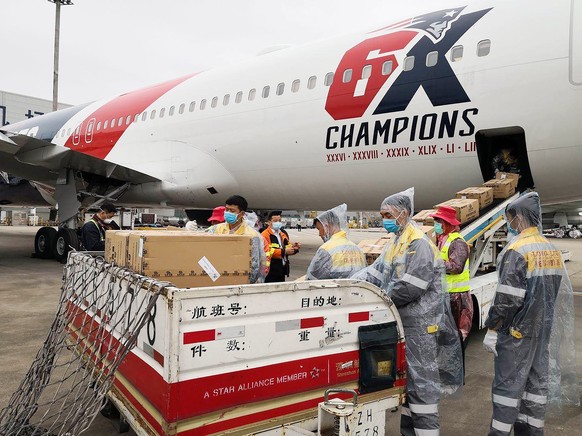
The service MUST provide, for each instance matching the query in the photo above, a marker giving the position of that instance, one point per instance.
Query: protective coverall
(258, 248)
(533, 319)
(412, 273)
(338, 258)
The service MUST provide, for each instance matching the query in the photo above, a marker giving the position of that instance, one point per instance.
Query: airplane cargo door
(504, 149)
(576, 43)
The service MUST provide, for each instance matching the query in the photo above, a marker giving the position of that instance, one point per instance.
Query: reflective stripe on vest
(456, 282)
(101, 235)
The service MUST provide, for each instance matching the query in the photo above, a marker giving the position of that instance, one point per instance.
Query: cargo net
(101, 312)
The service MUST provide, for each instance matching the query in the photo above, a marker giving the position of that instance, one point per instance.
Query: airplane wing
(42, 161)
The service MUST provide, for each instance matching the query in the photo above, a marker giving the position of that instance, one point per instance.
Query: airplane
(426, 102)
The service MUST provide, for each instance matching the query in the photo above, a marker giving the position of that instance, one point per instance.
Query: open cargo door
(504, 149)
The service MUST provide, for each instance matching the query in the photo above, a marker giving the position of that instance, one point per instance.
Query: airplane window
(105, 124)
(252, 94)
(366, 72)
(98, 126)
(181, 108)
(483, 47)
(162, 112)
(387, 68)
(238, 97)
(112, 125)
(408, 63)
(203, 105)
(171, 111)
(214, 102)
(136, 118)
(312, 82)
(432, 58)
(280, 88)
(295, 85)
(347, 75)
(153, 114)
(226, 100)
(63, 132)
(192, 106)
(457, 53)
(120, 121)
(144, 116)
(328, 79)
(69, 132)
(266, 91)
(128, 120)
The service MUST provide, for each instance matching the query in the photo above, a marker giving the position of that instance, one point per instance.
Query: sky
(113, 46)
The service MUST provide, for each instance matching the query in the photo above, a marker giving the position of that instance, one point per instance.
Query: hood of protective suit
(528, 208)
(401, 201)
(334, 220)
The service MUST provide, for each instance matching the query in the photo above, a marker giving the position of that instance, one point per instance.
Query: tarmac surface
(29, 291)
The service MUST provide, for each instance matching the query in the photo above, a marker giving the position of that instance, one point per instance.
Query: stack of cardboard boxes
(185, 259)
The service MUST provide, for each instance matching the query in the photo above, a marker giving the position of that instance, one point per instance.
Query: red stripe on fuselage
(86, 139)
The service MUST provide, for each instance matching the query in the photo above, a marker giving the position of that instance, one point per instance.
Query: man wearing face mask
(235, 224)
(455, 253)
(338, 257)
(280, 248)
(93, 231)
(531, 325)
(411, 273)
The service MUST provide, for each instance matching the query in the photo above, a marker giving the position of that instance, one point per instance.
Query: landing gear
(44, 243)
(66, 241)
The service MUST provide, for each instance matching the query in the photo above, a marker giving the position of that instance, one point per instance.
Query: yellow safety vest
(346, 257)
(456, 282)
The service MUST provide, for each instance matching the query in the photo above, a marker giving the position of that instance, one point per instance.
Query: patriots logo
(376, 60)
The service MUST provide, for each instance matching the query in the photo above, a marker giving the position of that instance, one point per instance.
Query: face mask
(278, 225)
(390, 225)
(107, 221)
(438, 228)
(230, 217)
(511, 230)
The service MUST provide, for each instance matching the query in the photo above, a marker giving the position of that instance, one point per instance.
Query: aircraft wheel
(66, 238)
(44, 242)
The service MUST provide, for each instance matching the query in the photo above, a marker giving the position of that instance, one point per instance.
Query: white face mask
(107, 221)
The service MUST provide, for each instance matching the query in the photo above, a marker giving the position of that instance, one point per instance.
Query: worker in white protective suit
(531, 326)
(338, 257)
(412, 273)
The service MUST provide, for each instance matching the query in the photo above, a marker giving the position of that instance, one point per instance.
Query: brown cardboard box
(514, 178)
(467, 209)
(177, 257)
(116, 246)
(483, 194)
(372, 248)
(423, 217)
(502, 188)
(429, 231)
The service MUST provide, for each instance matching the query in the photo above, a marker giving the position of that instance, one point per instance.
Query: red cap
(217, 214)
(448, 214)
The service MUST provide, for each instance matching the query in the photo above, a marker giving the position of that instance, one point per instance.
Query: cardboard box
(513, 178)
(189, 259)
(429, 231)
(483, 194)
(372, 248)
(423, 217)
(502, 188)
(467, 209)
(116, 242)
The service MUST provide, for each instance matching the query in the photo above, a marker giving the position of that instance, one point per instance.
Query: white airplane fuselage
(361, 140)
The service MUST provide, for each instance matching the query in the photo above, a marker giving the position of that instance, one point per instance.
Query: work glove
(490, 341)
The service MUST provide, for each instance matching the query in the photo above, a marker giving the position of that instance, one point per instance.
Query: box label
(209, 268)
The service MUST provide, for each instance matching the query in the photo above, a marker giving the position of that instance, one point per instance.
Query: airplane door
(89, 131)
(576, 43)
(77, 135)
(492, 147)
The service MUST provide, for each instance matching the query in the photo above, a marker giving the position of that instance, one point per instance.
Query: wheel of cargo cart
(66, 238)
(44, 242)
